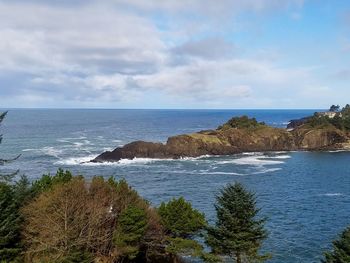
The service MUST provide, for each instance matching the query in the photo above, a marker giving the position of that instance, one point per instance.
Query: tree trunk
(238, 257)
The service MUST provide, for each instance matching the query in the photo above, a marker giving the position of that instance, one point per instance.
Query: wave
(252, 160)
(332, 194)
(264, 171)
(75, 160)
(85, 160)
(47, 150)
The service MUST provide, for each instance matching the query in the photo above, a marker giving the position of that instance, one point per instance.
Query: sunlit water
(305, 195)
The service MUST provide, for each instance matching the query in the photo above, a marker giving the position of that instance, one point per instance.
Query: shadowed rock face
(231, 139)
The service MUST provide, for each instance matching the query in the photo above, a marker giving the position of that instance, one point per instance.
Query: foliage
(9, 224)
(13, 194)
(340, 121)
(238, 232)
(106, 220)
(130, 230)
(180, 219)
(243, 122)
(334, 108)
(341, 249)
(184, 246)
(47, 181)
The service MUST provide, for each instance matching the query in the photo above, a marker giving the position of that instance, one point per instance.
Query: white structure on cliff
(329, 114)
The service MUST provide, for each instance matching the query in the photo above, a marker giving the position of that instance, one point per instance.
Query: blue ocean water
(305, 195)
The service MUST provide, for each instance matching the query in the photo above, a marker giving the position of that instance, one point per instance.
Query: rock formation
(239, 134)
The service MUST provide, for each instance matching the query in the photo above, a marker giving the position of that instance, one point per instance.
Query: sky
(193, 54)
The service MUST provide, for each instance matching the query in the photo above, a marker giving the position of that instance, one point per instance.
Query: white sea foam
(252, 160)
(29, 150)
(75, 160)
(85, 160)
(220, 173)
(265, 170)
(47, 150)
(195, 158)
(332, 194)
(274, 157)
(281, 157)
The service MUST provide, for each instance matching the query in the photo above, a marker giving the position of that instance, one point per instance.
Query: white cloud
(103, 51)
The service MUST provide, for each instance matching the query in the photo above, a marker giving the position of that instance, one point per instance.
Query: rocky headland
(240, 134)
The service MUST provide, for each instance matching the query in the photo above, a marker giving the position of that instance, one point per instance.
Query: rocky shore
(239, 134)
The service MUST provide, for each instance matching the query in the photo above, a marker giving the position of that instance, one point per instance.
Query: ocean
(304, 195)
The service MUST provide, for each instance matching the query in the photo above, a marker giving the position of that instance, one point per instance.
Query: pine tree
(238, 232)
(341, 249)
(180, 219)
(131, 228)
(13, 194)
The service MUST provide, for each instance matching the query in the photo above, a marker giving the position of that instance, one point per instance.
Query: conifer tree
(238, 232)
(12, 196)
(131, 228)
(341, 249)
(180, 219)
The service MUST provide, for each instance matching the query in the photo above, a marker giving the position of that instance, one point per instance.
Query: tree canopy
(238, 232)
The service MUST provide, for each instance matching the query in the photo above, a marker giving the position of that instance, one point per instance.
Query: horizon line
(68, 108)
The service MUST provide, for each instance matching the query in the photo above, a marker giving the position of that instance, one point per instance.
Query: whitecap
(85, 160)
(221, 173)
(51, 151)
(276, 156)
(252, 160)
(264, 171)
(332, 194)
(29, 150)
(75, 160)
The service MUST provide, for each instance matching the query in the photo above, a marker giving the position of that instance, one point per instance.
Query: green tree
(238, 232)
(181, 222)
(13, 194)
(180, 219)
(9, 224)
(47, 181)
(130, 231)
(334, 108)
(340, 252)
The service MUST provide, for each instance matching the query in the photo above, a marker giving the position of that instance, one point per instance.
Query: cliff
(237, 135)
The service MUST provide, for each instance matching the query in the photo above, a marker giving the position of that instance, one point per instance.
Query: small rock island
(328, 130)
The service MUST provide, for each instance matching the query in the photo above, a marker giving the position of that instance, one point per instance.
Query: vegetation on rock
(341, 120)
(243, 122)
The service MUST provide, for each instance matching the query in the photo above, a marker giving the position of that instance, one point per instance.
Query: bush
(243, 122)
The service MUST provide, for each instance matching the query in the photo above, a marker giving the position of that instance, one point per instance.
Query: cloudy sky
(174, 54)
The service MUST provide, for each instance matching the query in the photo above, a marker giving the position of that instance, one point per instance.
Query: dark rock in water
(297, 122)
(236, 136)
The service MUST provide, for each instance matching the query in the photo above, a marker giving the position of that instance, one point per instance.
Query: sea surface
(305, 195)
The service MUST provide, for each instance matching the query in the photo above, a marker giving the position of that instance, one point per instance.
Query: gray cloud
(104, 51)
(209, 48)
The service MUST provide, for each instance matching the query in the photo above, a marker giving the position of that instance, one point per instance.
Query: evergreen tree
(180, 219)
(341, 249)
(238, 233)
(181, 222)
(130, 231)
(13, 194)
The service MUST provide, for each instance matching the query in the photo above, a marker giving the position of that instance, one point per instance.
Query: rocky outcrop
(231, 138)
(297, 122)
